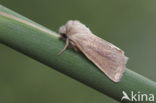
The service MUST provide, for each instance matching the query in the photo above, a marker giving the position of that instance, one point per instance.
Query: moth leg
(65, 47)
(73, 45)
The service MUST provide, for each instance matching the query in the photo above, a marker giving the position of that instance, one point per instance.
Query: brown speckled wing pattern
(104, 55)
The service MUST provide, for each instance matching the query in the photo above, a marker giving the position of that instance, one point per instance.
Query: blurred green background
(130, 25)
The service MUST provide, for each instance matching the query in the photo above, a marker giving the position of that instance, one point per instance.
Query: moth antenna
(65, 47)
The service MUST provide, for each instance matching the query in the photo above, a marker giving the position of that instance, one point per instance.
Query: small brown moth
(107, 57)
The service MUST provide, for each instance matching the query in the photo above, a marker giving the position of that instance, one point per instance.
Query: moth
(106, 56)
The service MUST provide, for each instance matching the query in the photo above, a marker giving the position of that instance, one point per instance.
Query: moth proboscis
(106, 56)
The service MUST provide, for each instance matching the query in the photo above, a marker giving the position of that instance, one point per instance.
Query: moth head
(62, 32)
(73, 27)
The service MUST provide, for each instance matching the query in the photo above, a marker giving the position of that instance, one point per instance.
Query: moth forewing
(107, 57)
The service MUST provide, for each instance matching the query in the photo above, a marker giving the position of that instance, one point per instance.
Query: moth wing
(107, 57)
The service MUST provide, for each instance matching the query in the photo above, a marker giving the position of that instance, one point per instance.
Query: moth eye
(63, 35)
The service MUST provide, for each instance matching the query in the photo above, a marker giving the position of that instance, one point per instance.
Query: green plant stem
(43, 45)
